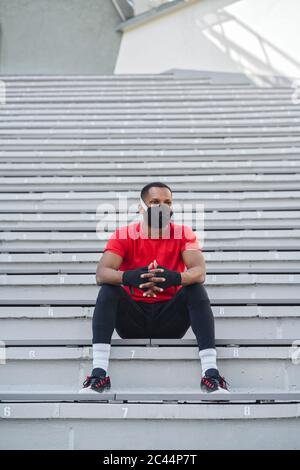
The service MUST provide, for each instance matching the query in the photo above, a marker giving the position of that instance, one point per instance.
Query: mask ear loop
(146, 207)
(143, 204)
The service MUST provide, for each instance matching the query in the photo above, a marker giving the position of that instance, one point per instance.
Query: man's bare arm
(196, 270)
(107, 269)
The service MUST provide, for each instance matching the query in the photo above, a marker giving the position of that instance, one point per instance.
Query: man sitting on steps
(151, 275)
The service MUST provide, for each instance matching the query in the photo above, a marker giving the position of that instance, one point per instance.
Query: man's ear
(140, 208)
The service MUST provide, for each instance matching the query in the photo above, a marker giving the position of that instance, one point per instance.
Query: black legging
(190, 306)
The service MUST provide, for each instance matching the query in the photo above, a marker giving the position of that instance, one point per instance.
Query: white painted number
(6, 412)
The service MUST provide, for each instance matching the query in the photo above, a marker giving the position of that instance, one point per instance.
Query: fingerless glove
(172, 278)
(132, 277)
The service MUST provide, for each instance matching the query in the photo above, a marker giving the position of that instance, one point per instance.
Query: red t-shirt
(138, 250)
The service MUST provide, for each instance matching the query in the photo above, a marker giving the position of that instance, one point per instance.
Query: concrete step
(292, 268)
(215, 220)
(211, 268)
(148, 425)
(163, 168)
(113, 124)
(155, 368)
(70, 249)
(149, 96)
(142, 397)
(101, 121)
(234, 324)
(220, 257)
(168, 142)
(234, 155)
(138, 84)
(252, 182)
(128, 201)
(161, 96)
(243, 134)
(143, 132)
(56, 113)
(133, 196)
(30, 116)
(83, 222)
(281, 288)
(216, 262)
(91, 241)
(159, 87)
(216, 107)
(85, 301)
(87, 78)
(89, 280)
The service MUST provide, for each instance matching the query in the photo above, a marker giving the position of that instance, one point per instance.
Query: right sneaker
(97, 384)
(213, 382)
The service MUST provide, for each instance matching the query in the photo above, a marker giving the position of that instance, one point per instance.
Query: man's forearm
(112, 276)
(192, 275)
(109, 276)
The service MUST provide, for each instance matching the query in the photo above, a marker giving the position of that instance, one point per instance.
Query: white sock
(101, 352)
(208, 359)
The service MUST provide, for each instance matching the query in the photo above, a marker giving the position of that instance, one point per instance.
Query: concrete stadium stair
(71, 143)
(148, 368)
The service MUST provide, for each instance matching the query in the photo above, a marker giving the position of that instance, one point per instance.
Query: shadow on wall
(213, 27)
(218, 35)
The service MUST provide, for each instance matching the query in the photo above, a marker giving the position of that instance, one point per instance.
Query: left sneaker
(96, 384)
(213, 382)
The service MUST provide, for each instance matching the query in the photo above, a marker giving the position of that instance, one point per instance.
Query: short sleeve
(116, 244)
(190, 240)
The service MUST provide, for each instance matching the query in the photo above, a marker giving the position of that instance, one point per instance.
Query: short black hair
(155, 184)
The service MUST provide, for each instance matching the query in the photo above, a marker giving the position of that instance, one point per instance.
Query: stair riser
(67, 375)
(153, 434)
(70, 293)
(81, 329)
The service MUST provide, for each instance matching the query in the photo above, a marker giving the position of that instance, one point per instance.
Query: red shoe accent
(223, 383)
(87, 381)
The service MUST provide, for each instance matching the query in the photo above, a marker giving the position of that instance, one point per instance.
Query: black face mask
(158, 216)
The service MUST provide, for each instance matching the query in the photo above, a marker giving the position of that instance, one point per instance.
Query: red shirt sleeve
(116, 244)
(190, 240)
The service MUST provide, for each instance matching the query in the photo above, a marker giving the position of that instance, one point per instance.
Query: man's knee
(108, 291)
(197, 291)
(109, 287)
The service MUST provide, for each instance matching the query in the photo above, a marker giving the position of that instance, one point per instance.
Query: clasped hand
(154, 284)
(157, 278)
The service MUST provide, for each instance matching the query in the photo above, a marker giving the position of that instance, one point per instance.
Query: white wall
(249, 36)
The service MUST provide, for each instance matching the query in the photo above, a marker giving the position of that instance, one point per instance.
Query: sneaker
(213, 382)
(96, 384)
(223, 384)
